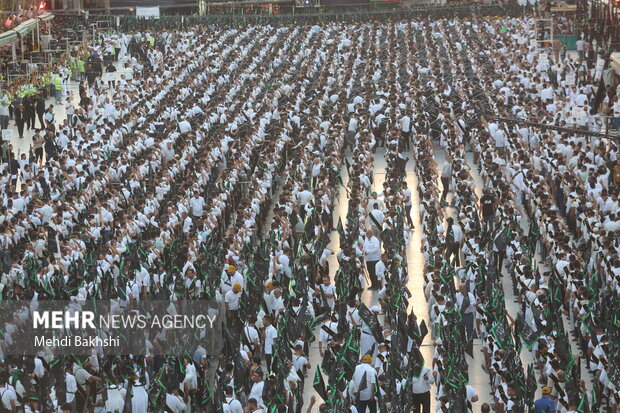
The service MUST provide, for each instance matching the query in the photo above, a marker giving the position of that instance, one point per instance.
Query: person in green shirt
(81, 69)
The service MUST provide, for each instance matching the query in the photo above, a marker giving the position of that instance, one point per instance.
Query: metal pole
(34, 39)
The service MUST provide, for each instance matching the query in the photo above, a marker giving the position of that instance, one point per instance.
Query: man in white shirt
(581, 100)
(190, 381)
(405, 130)
(231, 405)
(364, 380)
(19, 203)
(374, 197)
(231, 300)
(7, 392)
(257, 388)
(408, 203)
(499, 138)
(380, 269)
(4, 110)
(351, 131)
(471, 394)
(316, 167)
(304, 197)
(197, 204)
(229, 278)
(454, 239)
(466, 305)
(376, 219)
(269, 335)
(167, 152)
(185, 126)
(174, 402)
(372, 254)
(326, 293)
(580, 45)
(50, 122)
(605, 203)
(446, 177)
(285, 261)
(83, 378)
(421, 389)
(39, 368)
(251, 335)
(300, 362)
(70, 387)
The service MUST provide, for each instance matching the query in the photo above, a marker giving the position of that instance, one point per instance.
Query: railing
(289, 14)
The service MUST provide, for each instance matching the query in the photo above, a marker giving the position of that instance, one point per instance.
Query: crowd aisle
(416, 285)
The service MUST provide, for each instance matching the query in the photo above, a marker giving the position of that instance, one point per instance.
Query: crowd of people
(210, 168)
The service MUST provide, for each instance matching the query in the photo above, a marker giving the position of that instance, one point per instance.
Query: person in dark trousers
(50, 119)
(29, 111)
(40, 109)
(13, 169)
(372, 254)
(454, 239)
(37, 145)
(91, 74)
(111, 69)
(50, 145)
(408, 203)
(421, 387)
(446, 177)
(20, 119)
(14, 104)
(487, 201)
(364, 385)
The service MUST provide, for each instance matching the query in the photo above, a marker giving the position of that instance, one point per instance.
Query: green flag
(319, 384)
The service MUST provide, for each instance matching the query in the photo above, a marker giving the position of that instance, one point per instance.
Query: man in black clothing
(29, 112)
(13, 169)
(50, 145)
(84, 100)
(91, 74)
(111, 69)
(20, 119)
(40, 109)
(487, 201)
